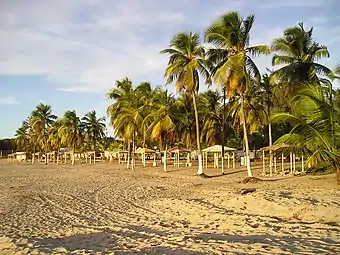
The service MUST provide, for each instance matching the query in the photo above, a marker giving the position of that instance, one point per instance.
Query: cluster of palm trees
(44, 131)
(294, 104)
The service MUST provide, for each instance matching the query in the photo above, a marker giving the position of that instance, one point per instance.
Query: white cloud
(8, 100)
(85, 45)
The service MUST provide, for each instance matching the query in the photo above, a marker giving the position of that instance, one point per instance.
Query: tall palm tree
(41, 119)
(94, 128)
(186, 63)
(232, 33)
(71, 130)
(126, 114)
(298, 53)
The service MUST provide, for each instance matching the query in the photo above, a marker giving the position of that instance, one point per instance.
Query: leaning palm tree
(94, 128)
(186, 63)
(312, 127)
(232, 33)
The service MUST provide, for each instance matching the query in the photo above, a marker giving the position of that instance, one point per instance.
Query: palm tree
(312, 129)
(126, 114)
(21, 136)
(298, 53)
(94, 128)
(210, 108)
(71, 130)
(232, 33)
(184, 119)
(186, 63)
(40, 120)
(55, 140)
(160, 120)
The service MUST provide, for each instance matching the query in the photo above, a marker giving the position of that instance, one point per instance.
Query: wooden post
(291, 162)
(275, 170)
(206, 160)
(263, 163)
(282, 162)
(302, 164)
(233, 160)
(294, 162)
(165, 158)
(118, 157)
(228, 160)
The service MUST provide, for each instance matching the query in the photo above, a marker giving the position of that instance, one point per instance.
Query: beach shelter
(145, 151)
(177, 151)
(216, 150)
(292, 158)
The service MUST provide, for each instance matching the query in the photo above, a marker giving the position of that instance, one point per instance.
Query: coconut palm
(71, 129)
(54, 136)
(160, 120)
(94, 128)
(210, 108)
(232, 33)
(298, 53)
(40, 120)
(186, 63)
(21, 136)
(312, 129)
(128, 111)
(184, 119)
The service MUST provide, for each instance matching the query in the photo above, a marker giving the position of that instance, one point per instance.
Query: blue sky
(69, 53)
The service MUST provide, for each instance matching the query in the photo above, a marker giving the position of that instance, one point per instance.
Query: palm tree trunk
(128, 156)
(199, 153)
(270, 151)
(269, 133)
(133, 153)
(247, 158)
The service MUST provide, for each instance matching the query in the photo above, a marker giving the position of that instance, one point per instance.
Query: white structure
(17, 156)
(217, 151)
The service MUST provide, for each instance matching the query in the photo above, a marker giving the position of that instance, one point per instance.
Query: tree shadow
(107, 241)
(290, 244)
(94, 242)
(225, 174)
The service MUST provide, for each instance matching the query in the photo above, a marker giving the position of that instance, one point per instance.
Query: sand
(105, 209)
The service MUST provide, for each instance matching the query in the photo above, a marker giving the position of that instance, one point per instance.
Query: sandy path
(103, 209)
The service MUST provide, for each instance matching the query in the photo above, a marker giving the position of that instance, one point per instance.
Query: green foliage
(294, 104)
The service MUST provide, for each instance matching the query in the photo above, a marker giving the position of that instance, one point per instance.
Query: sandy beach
(104, 209)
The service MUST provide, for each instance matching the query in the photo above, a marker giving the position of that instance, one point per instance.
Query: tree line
(293, 103)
